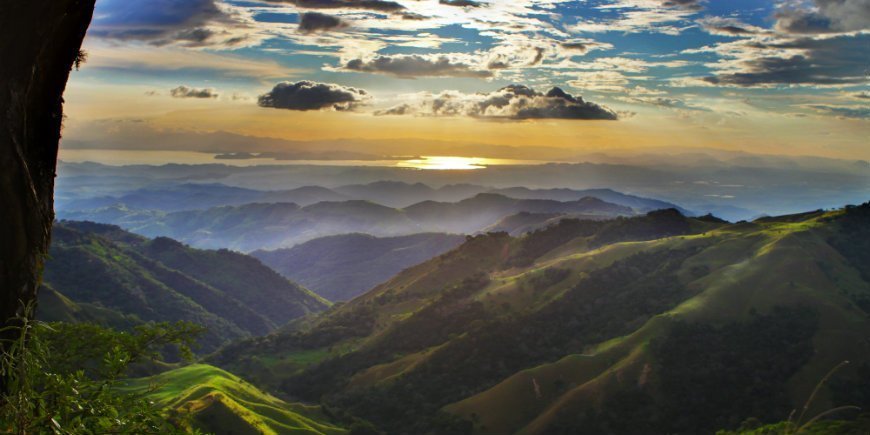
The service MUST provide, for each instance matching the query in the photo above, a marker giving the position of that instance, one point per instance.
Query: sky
(523, 79)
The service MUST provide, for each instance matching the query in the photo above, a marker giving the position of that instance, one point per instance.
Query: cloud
(826, 16)
(188, 92)
(146, 58)
(187, 23)
(660, 101)
(602, 81)
(515, 102)
(418, 65)
(583, 46)
(636, 16)
(461, 3)
(312, 22)
(829, 61)
(727, 26)
(687, 4)
(401, 109)
(306, 95)
(851, 112)
(371, 5)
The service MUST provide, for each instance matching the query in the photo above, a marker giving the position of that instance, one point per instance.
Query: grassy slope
(746, 267)
(55, 307)
(219, 402)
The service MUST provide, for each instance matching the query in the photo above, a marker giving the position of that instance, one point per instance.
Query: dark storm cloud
(412, 66)
(316, 22)
(188, 92)
(828, 16)
(371, 5)
(307, 95)
(838, 60)
(515, 102)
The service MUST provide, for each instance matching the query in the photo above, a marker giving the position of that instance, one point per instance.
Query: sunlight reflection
(444, 163)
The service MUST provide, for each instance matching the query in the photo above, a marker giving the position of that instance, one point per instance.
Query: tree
(40, 40)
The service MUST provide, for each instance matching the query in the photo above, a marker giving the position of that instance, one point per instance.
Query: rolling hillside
(211, 400)
(102, 272)
(653, 324)
(343, 267)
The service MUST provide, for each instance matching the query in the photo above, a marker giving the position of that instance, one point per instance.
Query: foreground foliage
(63, 378)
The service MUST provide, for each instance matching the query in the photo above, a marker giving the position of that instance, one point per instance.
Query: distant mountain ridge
(194, 196)
(343, 267)
(394, 194)
(95, 270)
(277, 225)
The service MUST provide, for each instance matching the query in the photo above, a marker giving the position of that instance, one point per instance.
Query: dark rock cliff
(39, 43)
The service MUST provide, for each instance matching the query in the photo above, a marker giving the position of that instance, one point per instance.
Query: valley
(534, 313)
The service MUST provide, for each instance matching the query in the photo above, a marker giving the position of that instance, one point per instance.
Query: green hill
(343, 267)
(214, 401)
(95, 270)
(55, 307)
(653, 324)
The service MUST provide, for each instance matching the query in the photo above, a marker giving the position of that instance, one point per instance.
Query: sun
(445, 163)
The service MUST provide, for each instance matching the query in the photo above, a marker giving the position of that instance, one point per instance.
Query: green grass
(213, 400)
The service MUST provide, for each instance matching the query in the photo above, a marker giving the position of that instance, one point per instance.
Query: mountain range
(170, 197)
(279, 225)
(343, 267)
(102, 273)
(659, 323)
(736, 186)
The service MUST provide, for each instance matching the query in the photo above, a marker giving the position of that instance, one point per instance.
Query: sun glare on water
(445, 163)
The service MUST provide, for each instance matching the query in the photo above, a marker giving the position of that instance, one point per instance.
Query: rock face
(39, 43)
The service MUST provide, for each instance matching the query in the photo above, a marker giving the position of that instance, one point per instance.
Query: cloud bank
(515, 102)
